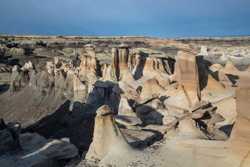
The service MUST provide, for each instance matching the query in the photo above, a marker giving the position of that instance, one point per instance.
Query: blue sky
(160, 18)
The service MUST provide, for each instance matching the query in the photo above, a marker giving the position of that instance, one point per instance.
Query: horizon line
(126, 36)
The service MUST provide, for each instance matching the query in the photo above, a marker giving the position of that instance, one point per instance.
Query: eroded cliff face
(118, 95)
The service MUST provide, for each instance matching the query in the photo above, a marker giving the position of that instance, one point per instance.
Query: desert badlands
(124, 101)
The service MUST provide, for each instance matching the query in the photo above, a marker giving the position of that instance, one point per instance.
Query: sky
(156, 18)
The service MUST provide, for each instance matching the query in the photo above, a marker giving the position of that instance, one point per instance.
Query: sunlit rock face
(120, 62)
(107, 72)
(187, 76)
(153, 66)
(88, 67)
(126, 101)
(106, 134)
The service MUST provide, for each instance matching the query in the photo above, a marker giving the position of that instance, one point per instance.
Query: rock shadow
(140, 67)
(4, 88)
(148, 115)
(77, 125)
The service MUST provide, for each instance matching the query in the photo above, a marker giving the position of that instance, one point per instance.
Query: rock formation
(125, 108)
(106, 135)
(153, 66)
(124, 102)
(15, 79)
(151, 89)
(203, 51)
(137, 63)
(120, 63)
(187, 76)
(107, 72)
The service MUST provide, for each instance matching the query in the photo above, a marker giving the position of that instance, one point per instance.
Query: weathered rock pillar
(241, 128)
(120, 58)
(107, 137)
(187, 75)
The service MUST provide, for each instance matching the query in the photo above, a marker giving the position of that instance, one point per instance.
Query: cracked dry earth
(124, 101)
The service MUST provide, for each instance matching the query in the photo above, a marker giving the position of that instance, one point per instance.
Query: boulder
(7, 143)
(38, 151)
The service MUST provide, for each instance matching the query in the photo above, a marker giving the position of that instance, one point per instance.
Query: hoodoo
(123, 101)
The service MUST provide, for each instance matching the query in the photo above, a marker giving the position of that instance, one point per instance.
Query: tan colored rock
(76, 91)
(125, 108)
(230, 68)
(50, 67)
(130, 90)
(187, 76)
(203, 51)
(88, 70)
(218, 70)
(107, 72)
(120, 63)
(27, 66)
(107, 138)
(187, 129)
(243, 96)
(153, 67)
(213, 84)
(224, 79)
(239, 140)
(87, 67)
(80, 90)
(151, 89)
(90, 49)
(248, 69)
(215, 67)
(115, 64)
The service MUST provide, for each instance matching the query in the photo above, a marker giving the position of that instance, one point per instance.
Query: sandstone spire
(187, 76)
(120, 62)
(107, 138)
